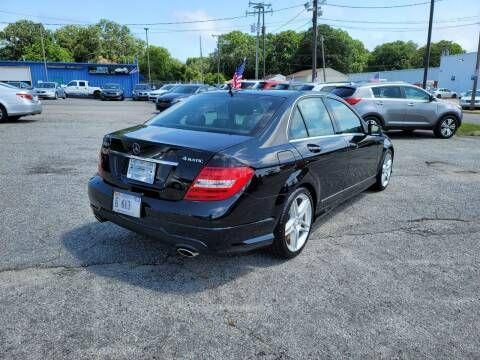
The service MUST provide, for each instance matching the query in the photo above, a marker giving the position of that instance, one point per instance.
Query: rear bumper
(180, 230)
(25, 109)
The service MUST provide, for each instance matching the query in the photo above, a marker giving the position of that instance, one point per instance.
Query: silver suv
(402, 106)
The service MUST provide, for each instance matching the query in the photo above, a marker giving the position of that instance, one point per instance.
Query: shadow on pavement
(417, 134)
(110, 251)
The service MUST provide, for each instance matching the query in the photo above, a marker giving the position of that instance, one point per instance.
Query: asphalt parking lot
(394, 274)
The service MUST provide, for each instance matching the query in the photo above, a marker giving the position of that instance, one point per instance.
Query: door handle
(379, 103)
(410, 104)
(353, 145)
(314, 148)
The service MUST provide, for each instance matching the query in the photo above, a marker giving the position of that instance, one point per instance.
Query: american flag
(376, 78)
(237, 76)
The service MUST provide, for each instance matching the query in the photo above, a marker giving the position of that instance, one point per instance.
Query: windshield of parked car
(46, 85)
(8, 85)
(167, 87)
(241, 114)
(301, 87)
(248, 84)
(281, 87)
(111, 86)
(142, 87)
(343, 91)
(469, 93)
(184, 89)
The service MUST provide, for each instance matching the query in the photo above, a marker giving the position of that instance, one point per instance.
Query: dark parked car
(141, 91)
(112, 92)
(226, 173)
(180, 93)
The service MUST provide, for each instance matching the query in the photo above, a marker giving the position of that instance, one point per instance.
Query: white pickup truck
(81, 88)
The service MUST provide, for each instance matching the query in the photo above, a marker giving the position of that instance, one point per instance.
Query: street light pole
(148, 56)
(218, 57)
(43, 51)
(314, 44)
(323, 59)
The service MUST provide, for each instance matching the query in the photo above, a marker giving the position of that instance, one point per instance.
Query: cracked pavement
(386, 275)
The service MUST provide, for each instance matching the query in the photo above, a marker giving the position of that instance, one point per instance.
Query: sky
(371, 26)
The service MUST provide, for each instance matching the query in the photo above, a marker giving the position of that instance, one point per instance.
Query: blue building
(32, 72)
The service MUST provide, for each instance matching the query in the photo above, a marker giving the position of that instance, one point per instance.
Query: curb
(475, 112)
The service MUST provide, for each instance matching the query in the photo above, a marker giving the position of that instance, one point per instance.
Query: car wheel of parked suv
(446, 127)
(295, 223)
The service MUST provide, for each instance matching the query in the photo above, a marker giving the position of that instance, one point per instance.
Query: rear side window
(316, 117)
(347, 120)
(391, 92)
(81, 83)
(297, 128)
(343, 91)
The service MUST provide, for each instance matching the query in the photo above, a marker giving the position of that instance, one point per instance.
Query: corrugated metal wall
(408, 75)
(65, 72)
(457, 71)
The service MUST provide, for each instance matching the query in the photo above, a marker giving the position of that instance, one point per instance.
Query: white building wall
(408, 75)
(456, 71)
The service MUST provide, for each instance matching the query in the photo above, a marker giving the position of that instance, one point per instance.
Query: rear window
(343, 91)
(241, 114)
(184, 89)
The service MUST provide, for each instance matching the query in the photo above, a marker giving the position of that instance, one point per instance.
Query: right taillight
(353, 100)
(25, 96)
(219, 183)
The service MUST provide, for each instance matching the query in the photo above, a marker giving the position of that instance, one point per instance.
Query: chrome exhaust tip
(187, 252)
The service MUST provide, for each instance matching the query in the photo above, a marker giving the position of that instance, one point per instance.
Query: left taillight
(103, 154)
(219, 183)
(353, 100)
(25, 96)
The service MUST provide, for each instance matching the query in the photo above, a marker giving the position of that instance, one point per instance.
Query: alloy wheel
(386, 169)
(298, 225)
(448, 127)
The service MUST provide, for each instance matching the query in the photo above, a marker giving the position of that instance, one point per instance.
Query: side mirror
(374, 129)
(432, 98)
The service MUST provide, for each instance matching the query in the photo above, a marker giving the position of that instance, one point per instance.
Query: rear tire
(454, 96)
(446, 127)
(3, 114)
(294, 227)
(384, 172)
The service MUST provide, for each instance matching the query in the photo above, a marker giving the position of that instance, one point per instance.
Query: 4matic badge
(195, 160)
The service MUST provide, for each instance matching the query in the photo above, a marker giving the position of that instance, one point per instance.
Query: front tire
(373, 120)
(446, 127)
(294, 227)
(3, 114)
(385, 172)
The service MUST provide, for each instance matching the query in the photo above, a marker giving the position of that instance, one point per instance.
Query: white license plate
(141, 170)
(126, 204)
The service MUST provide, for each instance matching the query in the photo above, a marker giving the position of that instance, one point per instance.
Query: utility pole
(218, 57)
(201, 61)
(475, 77)
(43, 51)
(426, 59)
(259, 9)
(148, 56)
(323, 59)
(314, 43)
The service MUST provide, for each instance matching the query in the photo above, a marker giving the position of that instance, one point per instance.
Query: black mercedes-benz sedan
(225, 172)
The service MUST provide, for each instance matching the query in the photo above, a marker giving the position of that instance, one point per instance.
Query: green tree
(342, 52)
(281, 52)
(162, 66)
(82, 42)
(234, 46)
(392, 56)
(18, 36)
(436, 50)
(117, 42)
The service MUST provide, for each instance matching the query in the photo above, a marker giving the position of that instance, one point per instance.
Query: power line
(380, 7)
(290, 21)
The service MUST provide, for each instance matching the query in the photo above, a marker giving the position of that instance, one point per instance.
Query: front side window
(316, 117)
(347, 121)
(416, 94)
(297, 128)
(72, 83)
(390, 92)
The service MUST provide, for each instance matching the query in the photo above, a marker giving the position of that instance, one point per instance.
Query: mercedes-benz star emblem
(136, 148)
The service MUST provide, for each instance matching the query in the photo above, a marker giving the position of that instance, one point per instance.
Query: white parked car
(466, 97)
(15, 102)
(444, 93)
(82, 88)
(154, 94)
